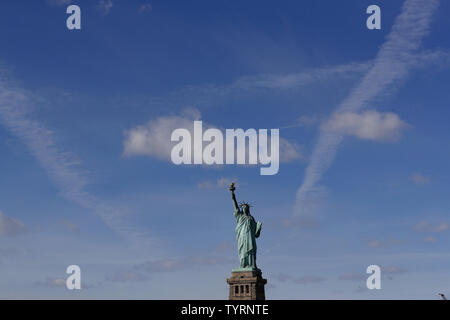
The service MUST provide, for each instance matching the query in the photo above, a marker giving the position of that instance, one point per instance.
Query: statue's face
(246, 209)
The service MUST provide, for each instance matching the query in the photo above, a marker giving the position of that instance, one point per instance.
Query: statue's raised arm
(233, 196)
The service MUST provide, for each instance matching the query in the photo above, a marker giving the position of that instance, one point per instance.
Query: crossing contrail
(392, 63)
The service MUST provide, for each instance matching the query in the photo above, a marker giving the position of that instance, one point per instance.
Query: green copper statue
(247, 230)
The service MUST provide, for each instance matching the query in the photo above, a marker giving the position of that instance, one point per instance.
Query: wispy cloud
(384, 243)
(392, 63)
(429, 239)
(425, 226)
(10, 226)
(63, 168)
(52, 282)
(146, 7)
(210, 94)
(59, 282)
(282, 277)
(308, 279)
(13, 253)
(352, 277)
(171, 265)
(309, 120)
(420, 179)
(70, 225)
(105, 6)
(143, 271)
(388, 271)
(299, 79)
(392, 270)
(127, 276)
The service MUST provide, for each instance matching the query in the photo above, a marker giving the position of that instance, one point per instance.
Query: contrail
(392, 63)
(62, 167)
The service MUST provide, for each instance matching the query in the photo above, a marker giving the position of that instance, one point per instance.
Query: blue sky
(363, 177)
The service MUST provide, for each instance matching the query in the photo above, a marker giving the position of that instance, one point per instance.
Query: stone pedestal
(246, 285)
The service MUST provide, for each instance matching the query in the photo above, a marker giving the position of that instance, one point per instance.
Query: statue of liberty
(247, 230)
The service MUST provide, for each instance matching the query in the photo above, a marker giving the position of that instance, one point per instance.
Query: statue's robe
(247, 230)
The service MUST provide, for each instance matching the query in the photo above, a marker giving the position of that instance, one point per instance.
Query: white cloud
(425, 226)
(10, 226)
(419, 179)
(153, 138)
(393, 62)
(369, 125)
